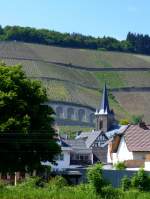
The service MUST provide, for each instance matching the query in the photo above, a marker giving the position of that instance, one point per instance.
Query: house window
(82, 157)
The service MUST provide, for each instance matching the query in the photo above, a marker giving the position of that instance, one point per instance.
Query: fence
(112, 176)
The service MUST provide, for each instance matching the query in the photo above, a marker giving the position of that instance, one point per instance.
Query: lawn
(54, 190)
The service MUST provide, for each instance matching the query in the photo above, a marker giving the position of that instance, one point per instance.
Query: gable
(99, 141)
(123, 153)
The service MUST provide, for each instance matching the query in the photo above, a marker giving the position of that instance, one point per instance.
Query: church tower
(104, 117)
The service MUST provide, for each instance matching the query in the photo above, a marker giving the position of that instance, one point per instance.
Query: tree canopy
(26, 123)
(135, 43)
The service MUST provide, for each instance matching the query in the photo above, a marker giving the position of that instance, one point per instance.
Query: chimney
(143, 125)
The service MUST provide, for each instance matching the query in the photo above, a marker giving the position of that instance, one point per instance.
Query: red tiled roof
(137, 138)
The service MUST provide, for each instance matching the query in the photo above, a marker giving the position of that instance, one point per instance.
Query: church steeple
(104, 108)
(104, 117)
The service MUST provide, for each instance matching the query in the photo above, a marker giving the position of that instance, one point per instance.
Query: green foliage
(124, 122)
(141, 181)
(119, 166)
(125, 183)
(2, 185)
(26, 124)
(57, 182)
(136, 119)
(31, 191)
(108, 192)
(95, 177)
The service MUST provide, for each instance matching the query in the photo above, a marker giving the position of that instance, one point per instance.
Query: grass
(60, 191)
(112, 79)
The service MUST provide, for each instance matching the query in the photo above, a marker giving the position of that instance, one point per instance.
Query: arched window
(70, 113)
(59, 112)
(81, 115)
(91, 118)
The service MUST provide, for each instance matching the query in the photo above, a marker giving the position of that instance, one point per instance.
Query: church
(105, 128)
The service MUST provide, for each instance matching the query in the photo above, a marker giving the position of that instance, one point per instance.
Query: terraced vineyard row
(16, 50)
(89, 58)
(84, 78)
(80, 57)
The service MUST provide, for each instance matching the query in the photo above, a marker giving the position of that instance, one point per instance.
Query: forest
(134, 42)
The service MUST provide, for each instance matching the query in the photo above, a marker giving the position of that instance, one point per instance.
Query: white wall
(147, 166)
(123, 153)
(62, 164)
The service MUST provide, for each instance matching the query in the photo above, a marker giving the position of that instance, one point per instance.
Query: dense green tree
(26, 123)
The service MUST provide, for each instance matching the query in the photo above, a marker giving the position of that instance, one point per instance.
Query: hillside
(77, 75)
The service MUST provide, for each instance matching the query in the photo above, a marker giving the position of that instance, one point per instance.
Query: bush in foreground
(120, 166)
(125, 183)
(95, 177)
(141, 181)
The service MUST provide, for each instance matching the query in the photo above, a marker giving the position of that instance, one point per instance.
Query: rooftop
(137, 138)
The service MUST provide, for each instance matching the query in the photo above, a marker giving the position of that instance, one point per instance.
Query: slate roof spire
(104, 108)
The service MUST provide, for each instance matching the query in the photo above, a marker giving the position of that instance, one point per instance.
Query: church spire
(104, 108)
(104, 117)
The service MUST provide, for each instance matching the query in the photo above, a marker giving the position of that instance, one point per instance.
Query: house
(96, 141)
(132, 146)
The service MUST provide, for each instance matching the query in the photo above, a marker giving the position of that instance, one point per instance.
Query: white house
(131, 147)
(74, 154)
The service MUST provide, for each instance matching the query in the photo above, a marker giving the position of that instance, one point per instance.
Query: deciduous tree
(26, 123)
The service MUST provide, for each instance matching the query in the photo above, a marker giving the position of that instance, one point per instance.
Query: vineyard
(84, 87)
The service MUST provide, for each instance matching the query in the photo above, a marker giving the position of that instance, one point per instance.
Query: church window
(101, 124)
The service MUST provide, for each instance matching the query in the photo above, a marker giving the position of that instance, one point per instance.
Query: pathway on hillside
(105, 69)
(121, 89)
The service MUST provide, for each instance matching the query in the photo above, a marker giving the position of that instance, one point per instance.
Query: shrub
(125, 183)
(136, 119)
(2, 184)
(95, 178)
(119, 166)
(108, 192)
(31, 182)
(124, 122)
(57, 182)
(141, 180)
